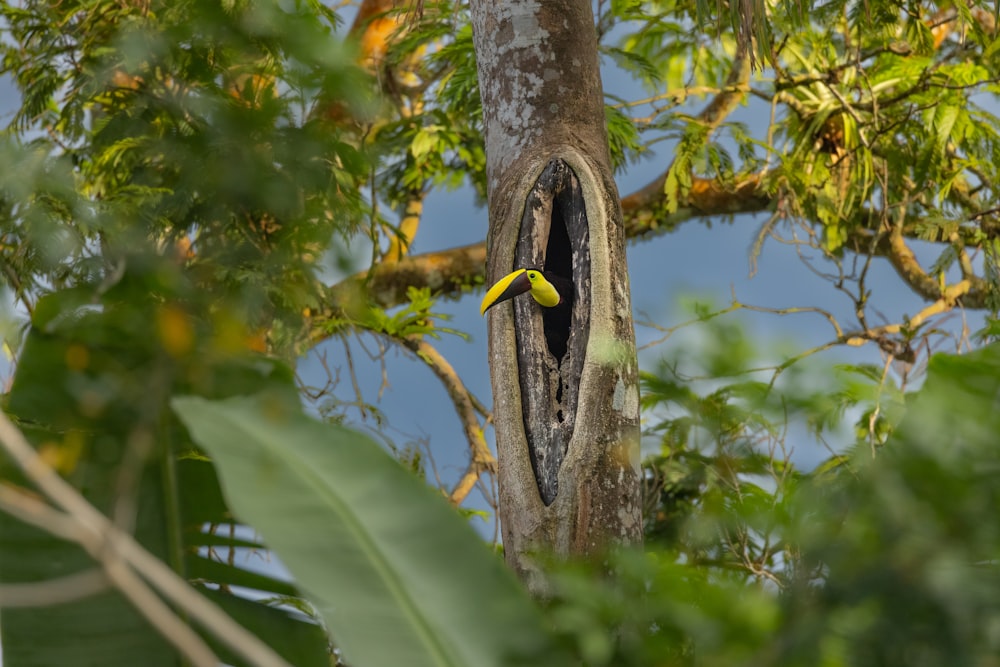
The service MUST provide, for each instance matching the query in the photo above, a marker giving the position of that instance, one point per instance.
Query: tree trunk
(567, 429)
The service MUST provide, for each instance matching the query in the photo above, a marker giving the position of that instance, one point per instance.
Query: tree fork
(553, 204)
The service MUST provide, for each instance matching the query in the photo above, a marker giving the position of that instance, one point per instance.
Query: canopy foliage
(184, 192)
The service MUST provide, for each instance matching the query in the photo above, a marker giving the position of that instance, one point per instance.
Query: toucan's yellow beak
(506, 288)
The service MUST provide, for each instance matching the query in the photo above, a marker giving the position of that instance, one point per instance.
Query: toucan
(553, 292)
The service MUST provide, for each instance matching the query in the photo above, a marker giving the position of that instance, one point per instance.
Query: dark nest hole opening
(559, 263)
(551, 365)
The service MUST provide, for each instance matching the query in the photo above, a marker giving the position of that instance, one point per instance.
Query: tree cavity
(554, 237)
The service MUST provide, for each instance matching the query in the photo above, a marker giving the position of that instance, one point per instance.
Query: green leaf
(100, 630)
(671, 189)
(302, 643)
(92, 374)
(623, 138)
(425, 141)
(397, 576)
(944, 120)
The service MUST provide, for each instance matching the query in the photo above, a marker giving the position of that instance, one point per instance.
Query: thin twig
(58, 590)
(481, 459)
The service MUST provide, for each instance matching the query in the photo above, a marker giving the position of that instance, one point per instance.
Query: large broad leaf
(398, 577)
(97, 631)
(86, 380)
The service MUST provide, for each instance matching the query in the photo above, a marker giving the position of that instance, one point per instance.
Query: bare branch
(481, 459)
(58, 590)
(449, 272)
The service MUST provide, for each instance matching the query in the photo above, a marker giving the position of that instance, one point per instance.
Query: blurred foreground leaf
(90, 393)
(396, 574)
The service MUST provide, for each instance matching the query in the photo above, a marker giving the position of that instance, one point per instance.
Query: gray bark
(567, 430)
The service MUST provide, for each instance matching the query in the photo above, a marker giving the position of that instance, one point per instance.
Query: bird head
(519, 282)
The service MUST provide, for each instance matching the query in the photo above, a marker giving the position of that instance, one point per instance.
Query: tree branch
(451, 273)
(893, 246)
(645, 210)
(58, 590)
(457, 271)
(948, 300)
(481, 459)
